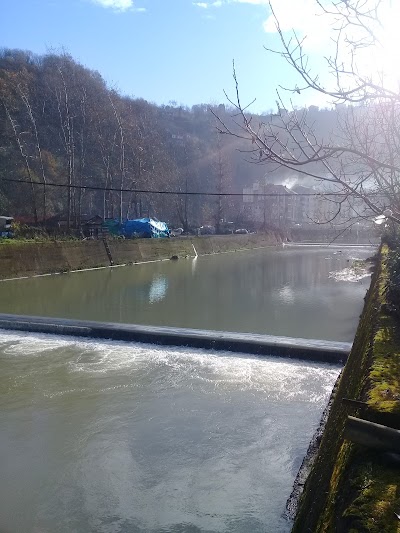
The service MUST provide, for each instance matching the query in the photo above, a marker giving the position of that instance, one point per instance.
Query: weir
(306, 349)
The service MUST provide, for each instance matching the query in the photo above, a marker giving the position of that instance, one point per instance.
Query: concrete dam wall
(306, 349)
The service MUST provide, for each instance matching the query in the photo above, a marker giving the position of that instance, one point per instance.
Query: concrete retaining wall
(31, 258)
(352, 487)
(28, 259)
(133, 251)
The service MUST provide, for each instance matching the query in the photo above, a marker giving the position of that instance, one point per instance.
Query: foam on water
(352, 274)
(278, 377)
(355, 272)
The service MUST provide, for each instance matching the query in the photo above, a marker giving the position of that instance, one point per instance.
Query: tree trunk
(26, 160)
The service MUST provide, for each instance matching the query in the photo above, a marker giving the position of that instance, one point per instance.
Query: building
(280, 207)
(285, 207)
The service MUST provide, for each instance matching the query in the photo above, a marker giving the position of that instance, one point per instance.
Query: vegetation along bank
(20, 259)
(352, 486)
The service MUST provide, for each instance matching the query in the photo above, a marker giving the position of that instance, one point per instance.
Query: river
(288, 291)
(117, 437)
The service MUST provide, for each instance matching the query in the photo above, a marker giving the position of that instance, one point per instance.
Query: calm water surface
(287, 291)
(112, 437)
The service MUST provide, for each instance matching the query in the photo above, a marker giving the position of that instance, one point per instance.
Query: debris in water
(356, 272)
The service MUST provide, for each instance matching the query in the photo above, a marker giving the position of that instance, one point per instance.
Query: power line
(178, 193)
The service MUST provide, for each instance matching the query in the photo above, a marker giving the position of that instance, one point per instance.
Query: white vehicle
(176, 232)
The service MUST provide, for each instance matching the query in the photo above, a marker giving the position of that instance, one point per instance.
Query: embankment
(33, 258)
(352, 487)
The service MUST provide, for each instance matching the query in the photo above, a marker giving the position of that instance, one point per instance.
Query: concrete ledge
(307, 349)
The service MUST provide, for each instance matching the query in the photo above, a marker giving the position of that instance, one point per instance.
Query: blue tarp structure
(144, 228)
(138, 228)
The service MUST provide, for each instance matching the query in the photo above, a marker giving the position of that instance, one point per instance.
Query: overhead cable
(179, 193)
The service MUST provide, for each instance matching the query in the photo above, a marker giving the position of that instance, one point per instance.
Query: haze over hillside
(61, 124)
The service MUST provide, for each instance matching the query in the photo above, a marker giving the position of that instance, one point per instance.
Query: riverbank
(352, 487)
(28, 259)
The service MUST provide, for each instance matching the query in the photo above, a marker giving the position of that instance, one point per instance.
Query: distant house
(90, 225)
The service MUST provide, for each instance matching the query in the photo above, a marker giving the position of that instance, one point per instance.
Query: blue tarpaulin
(137, 228)
(144, 228)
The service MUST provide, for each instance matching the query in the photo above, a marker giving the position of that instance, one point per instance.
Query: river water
(116, 437)
(112, 437)
(286, 291)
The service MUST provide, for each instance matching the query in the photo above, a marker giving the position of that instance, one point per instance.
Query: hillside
(60, 124)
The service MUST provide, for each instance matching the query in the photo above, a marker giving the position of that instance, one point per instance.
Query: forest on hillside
(70, 145)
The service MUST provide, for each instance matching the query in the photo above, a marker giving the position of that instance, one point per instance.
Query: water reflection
(286, 295)
(287, 291)
(194, 265)
(158, 289)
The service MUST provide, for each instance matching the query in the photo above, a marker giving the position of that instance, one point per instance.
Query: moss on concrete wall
(352, 488)
(31, 258)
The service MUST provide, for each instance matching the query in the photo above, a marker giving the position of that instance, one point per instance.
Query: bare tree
(24, 155)
(122, 155)
(360, 162)
(22, 91)
(7, 99)
(67, 128)
(222, 182)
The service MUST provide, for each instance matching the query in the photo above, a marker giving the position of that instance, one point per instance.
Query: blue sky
(164, 50)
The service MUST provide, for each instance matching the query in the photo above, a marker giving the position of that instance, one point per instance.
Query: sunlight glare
(382, 61)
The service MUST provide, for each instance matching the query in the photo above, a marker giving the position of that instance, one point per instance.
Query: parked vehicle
(207, 230)
(5, 226)
(241, 231)
(176, 232)
(226, 228)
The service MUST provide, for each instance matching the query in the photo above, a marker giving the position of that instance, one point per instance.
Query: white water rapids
(116, 437)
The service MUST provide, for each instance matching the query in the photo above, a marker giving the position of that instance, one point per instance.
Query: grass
(384, 377)
(13, 242)
(36, 240)
(375, 482)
